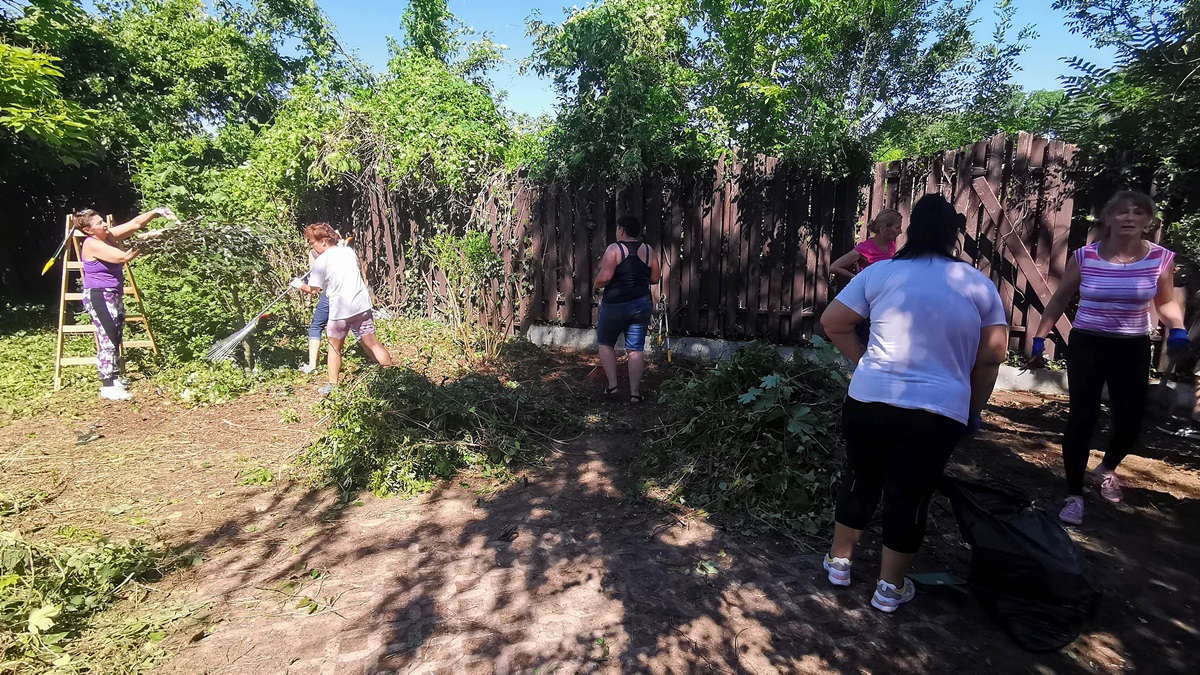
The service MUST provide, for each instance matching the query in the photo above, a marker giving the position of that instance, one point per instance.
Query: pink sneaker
(1072, 512)
(1110, 485)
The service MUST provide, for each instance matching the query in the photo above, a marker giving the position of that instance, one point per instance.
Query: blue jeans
(632, 318)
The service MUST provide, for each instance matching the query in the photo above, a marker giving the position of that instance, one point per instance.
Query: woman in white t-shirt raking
(336, 272)
(938, 336)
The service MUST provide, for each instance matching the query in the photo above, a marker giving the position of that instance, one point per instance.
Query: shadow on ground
(569, 570)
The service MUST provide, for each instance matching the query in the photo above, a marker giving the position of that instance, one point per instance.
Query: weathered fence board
(1017, 198)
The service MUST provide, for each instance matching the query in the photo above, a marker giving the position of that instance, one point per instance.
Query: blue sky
(364, 25)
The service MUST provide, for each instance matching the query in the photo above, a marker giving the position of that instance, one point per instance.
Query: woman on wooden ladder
(1118, 279)
(627, 271)
(104, 257)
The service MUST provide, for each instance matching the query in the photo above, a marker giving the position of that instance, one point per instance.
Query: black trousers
(895, 455)
(1123, 363)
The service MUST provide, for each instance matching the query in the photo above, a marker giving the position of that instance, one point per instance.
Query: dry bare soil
(568, 568)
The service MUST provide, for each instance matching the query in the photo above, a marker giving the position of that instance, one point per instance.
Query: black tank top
(631, 279)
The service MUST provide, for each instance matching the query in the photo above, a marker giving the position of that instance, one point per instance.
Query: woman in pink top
(884, 228)
(1118, 279)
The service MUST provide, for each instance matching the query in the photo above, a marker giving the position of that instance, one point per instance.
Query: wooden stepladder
(73, 265)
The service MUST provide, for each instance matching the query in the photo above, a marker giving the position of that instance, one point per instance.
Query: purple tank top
(100, 274)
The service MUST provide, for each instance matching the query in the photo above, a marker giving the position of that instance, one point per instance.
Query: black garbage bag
(1026, 572)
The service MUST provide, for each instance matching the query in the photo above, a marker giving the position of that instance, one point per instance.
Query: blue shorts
(321, 319)
(631, 318)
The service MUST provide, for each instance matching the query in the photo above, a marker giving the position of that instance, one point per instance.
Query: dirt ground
(566, 569)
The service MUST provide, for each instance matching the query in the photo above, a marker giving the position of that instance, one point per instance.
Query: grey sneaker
(888, 598)
(306, 369)
(327, 389)
(838, 569)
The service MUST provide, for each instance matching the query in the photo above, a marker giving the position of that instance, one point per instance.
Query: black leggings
(895, 453)
(1092, 361)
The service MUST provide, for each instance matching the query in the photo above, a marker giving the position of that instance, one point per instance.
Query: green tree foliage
(31, 105)
(1139, 121)
(428, 29)
(620, 70)
(810, 80)
(983, 101)
(656, 84)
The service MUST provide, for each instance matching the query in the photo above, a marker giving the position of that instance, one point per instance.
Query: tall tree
(624, 82)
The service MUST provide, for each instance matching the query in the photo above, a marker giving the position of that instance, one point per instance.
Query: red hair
(321, 232)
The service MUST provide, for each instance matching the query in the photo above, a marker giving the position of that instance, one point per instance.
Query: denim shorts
(631, 318)
(320, 318)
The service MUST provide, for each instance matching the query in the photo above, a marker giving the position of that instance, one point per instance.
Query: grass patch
(755, 437)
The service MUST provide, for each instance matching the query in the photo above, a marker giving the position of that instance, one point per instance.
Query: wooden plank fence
(745, 248)
(1018, 200)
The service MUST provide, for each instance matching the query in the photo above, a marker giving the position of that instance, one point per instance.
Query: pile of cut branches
(398, 431)
(755, 437)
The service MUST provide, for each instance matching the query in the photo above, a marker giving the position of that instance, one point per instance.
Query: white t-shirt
(336, 272)
(926, 315)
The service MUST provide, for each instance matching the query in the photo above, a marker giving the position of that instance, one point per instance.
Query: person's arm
(993, 347)
(655, 274)
(839, 321)
(97, 250)
(608, 265)
(1170, 312)
(842, 266)
(123, 230)
(1068, 286)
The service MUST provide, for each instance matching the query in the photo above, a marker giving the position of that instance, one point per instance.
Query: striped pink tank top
(1115, 298)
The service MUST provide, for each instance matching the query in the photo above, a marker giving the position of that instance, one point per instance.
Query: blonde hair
(882, 217)
(1131, 197)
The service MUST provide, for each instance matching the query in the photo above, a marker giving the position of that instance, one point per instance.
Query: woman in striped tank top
(1117, 278)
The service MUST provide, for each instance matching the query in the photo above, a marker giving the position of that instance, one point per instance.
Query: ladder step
(74, 265)
(135, 318)
(140, 344)
(79, 361)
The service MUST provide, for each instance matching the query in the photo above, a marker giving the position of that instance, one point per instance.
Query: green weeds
(753, 437)
(50, 590)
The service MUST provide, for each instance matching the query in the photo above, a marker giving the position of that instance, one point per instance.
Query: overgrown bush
(398, 430)
(476, 283)
(755, 436)
(50, 589)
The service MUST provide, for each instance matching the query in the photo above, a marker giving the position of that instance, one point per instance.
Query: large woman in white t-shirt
(938, 336)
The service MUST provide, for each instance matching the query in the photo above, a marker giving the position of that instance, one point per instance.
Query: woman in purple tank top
(1118, 279)
(104, 259)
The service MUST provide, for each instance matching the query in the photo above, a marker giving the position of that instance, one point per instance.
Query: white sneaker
(838, 569)
(114, 393)
(888, 598)
(306, 369)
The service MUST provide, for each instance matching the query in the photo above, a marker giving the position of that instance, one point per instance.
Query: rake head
(223, 349)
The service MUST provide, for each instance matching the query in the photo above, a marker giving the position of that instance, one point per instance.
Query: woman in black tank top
(628, 270)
